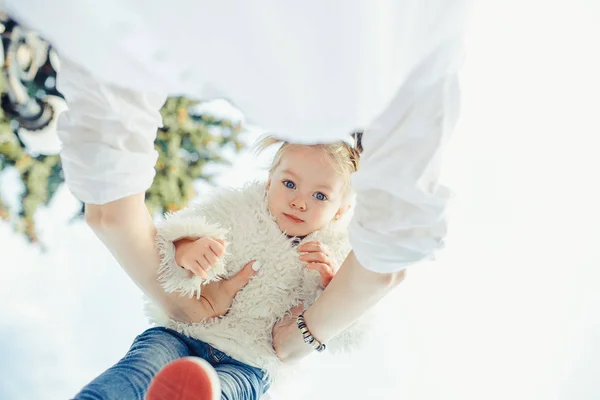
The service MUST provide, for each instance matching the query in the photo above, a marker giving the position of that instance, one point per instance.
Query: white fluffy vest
(241, 217)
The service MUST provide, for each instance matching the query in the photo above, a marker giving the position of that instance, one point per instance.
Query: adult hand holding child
(199, 256)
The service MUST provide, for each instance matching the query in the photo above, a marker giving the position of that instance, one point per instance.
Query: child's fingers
(203, 267)
(195, 268)
(211, 258)
(217, 246)
(313, 246)
(324, 270)
(315, 257)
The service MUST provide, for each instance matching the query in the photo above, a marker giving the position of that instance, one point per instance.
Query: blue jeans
(156, 347)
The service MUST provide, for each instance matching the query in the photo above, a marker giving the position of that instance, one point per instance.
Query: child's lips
(293, 218)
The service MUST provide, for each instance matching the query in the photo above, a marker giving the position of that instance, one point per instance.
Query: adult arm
(399, 217)
(108, 159)
(126, 228)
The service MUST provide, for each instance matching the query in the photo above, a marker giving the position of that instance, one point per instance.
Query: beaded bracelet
(306, 335)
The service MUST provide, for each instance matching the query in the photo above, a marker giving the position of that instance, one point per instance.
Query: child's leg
(241, 382)
(131, 376)
(193, 378)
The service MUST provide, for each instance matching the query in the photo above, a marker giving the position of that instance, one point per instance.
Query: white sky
(510, 309)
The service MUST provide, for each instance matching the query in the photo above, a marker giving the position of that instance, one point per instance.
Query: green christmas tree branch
(185, 145)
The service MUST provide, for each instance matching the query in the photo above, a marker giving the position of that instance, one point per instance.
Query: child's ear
(340, 213)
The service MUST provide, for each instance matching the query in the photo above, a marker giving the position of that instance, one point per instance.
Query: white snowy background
(510, 310)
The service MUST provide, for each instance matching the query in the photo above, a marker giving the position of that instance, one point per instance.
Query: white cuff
(399, 216)
(180, 225)
(107, 135)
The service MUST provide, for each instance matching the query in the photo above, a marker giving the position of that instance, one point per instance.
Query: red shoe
(189, 378)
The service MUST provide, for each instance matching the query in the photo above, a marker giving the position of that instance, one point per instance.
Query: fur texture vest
(242, 219)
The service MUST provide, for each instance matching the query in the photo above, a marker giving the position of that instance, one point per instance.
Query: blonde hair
(344, 157)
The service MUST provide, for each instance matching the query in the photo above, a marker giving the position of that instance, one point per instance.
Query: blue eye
(289, 184)
(320, 196)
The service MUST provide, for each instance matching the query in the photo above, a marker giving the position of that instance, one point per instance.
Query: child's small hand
(199, 256)
(316, 255)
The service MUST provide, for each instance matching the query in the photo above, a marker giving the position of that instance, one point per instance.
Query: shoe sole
(189, 378)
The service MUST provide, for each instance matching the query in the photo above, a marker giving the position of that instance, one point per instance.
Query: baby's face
(305, 192)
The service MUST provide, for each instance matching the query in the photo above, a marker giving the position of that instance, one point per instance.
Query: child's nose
(299, 204)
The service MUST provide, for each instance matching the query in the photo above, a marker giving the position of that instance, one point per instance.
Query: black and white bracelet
(307, 336)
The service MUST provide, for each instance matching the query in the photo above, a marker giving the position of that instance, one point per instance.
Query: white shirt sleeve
(108, 136)
(386, 67)
(399, 216)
